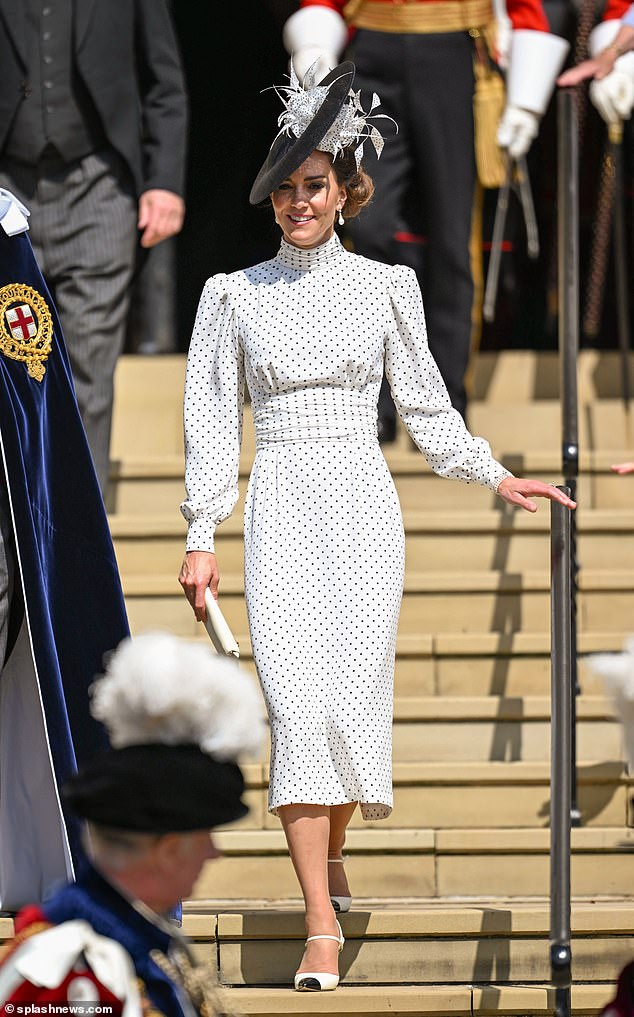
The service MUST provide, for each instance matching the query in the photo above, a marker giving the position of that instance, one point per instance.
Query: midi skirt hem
(370, 811)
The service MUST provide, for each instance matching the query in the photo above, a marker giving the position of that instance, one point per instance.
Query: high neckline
(302, 260)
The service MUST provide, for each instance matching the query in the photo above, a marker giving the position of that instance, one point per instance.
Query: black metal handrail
(568, 289)
(561, 694)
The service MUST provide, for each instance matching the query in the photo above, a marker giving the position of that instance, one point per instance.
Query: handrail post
(568, 286)
(560, 755)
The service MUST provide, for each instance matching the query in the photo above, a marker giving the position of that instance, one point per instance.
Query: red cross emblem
(21, 322)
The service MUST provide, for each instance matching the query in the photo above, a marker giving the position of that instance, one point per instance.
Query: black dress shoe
(387, 430)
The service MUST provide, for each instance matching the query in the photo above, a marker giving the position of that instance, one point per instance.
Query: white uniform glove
(612, 96)
(517, 130)
(535, 60)
(13, 214)
(315, 34)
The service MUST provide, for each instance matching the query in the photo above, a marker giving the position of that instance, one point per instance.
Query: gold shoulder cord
(26, 327)
(197, 980)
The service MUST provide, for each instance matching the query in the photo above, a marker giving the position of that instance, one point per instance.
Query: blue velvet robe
(72, 611)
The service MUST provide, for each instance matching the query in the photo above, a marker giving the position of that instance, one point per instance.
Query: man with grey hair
(177, 717)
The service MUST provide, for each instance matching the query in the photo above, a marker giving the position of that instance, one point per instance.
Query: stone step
(514, 403)
(424, 862)
(501, 942)
(506, 942)
(451, 540)
(434, 602)
(417, 1000)
(154, 483)
(518, 376)
(474, 663)
(453, 795)
(495, 729)
(205, 927)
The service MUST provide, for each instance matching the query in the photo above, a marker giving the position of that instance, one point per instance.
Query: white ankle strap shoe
(319, 981)
(340, 904)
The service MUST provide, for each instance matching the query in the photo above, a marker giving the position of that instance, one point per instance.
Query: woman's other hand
(623, 468)
(517, 491)
(598, 68)
(198, 571)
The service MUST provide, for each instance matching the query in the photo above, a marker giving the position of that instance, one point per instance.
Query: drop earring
(341, 218)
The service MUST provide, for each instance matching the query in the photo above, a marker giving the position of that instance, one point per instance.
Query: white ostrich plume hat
(161, 689)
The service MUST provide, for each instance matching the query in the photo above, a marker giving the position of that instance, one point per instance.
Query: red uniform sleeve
(335, 5)
(29, 915)
(527, 14)
(615, 9)
(67, 991)
(523, 13)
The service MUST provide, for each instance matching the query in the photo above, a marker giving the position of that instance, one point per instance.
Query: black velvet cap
(156, 789)
(288, 153)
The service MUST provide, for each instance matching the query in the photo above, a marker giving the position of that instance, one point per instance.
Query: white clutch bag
(219, 632)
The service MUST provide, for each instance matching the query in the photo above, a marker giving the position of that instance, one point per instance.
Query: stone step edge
(170, 466)
(458, 521)
(465, 841)
(475, 644)
(465, 709)
(485, 920)
(436, 1001)
(459, 582)
(481, 774)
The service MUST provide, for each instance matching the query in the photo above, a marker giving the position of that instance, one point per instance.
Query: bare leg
(307, 830)
(340, 816)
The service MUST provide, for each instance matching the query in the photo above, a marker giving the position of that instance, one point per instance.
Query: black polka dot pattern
(324, 550)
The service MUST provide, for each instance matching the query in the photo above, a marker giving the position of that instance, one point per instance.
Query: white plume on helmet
(617, 672)
(158, 688)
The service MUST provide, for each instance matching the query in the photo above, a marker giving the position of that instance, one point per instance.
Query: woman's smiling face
(306, 203)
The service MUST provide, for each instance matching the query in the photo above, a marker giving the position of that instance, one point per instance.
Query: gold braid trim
(197, 980)
(147, 1008)
(418, 16)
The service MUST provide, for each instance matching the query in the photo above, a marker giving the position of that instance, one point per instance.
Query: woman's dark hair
(358, 183)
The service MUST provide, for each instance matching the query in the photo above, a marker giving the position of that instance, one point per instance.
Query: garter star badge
(26, 327)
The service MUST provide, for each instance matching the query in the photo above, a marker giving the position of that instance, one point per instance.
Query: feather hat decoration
(326, 115)
(158, 688)
(351, 126)
(178, 717)
(617, 672)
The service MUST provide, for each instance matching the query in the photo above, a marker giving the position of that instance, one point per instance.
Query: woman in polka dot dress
(312, 331)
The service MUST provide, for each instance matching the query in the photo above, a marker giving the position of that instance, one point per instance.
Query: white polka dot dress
(324, 551)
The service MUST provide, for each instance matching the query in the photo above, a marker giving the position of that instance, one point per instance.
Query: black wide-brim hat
(287, 153)
(156, 789)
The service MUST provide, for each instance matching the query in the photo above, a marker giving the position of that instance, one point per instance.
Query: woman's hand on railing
(623, 468)
(198, 571)
(518, 491)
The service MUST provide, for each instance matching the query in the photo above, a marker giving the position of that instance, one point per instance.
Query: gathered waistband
(318, 413)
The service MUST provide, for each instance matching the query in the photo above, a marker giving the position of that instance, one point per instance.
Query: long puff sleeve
(421, 397)
(214, 402)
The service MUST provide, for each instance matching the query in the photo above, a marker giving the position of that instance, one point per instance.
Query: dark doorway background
(231, 51)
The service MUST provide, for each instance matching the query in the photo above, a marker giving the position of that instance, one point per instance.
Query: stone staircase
(452, 913)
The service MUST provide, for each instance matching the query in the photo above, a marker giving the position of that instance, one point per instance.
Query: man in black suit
(93, 122)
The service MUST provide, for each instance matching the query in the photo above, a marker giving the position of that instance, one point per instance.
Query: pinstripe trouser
(83, 231)
(6, 569)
